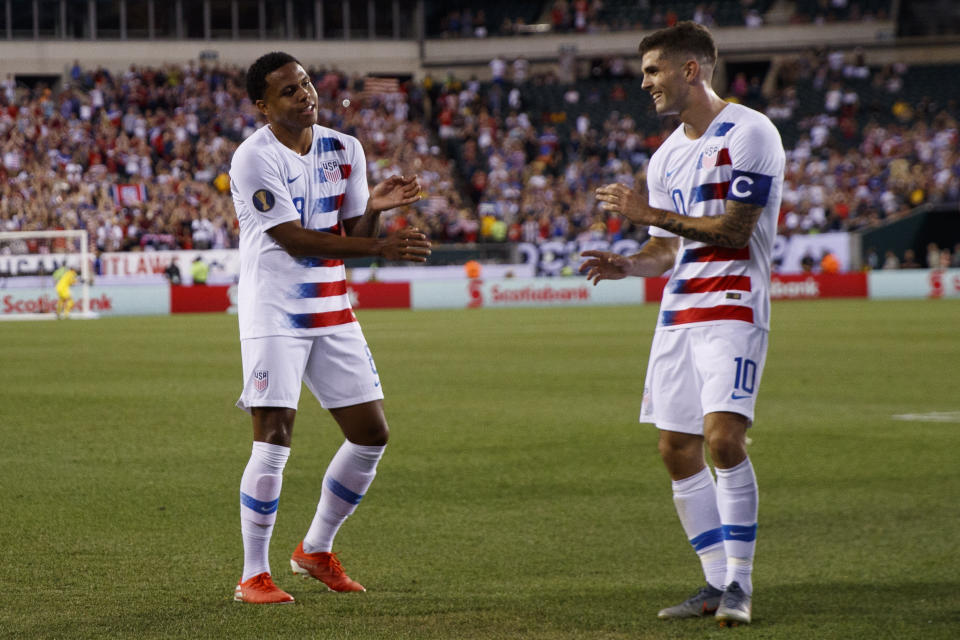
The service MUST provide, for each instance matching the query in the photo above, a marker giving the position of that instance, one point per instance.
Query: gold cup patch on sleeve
(263, 200)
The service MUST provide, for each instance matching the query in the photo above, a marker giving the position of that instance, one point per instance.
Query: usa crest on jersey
(261, 380)
(331, 171)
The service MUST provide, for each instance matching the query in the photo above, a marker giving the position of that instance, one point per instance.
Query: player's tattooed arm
(731, 229)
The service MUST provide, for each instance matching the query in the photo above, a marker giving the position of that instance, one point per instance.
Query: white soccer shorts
(337, 368)
(699, 370)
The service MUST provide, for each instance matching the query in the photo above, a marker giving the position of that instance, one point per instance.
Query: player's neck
(698, 116)
(299, 140)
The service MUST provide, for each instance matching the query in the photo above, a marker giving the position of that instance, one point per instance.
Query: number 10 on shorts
(746, 377)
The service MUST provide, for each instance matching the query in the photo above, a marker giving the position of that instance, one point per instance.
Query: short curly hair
(258, 71)
(683, 38)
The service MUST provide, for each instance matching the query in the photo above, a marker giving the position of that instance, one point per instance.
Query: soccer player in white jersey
(302, 200)
(714, 197)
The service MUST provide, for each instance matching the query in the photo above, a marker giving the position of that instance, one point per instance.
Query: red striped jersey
(271, 184)
(739, 157)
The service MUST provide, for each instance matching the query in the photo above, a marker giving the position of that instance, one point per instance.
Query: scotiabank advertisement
(441, 294)
(794, 287)
(820, 285)
(460, 293)
(107, 300)
(524, 292)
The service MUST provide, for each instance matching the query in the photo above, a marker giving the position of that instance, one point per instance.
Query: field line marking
(930, 416)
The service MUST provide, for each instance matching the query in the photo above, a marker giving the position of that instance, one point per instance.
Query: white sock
(737, 499)
(346, 481)
(696, 501)
(259, 497)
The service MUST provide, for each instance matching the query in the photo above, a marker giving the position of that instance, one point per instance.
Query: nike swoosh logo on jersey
(292, 180)
(737, 396)
(670, 173)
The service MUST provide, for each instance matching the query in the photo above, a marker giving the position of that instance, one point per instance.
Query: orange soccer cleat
(325, 567)
(260, 590)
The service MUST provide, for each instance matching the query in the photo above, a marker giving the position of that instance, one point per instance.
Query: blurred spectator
(703, 14)
(172, 272)
(472, 269)
(933, 256)
(890, 260)
(521, 68)
(480, 24)
(945, 259)
(829, 263)
(199, 271)
(498, 69)
(909, 260)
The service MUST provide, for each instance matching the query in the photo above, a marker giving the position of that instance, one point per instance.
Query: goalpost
(38, 281)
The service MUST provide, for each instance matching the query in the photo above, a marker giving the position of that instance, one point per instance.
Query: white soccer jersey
(740, 157)
(271, 184)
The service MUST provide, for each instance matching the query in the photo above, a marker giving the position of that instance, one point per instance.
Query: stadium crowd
(531, 172)
(855, 164)
(140, 158)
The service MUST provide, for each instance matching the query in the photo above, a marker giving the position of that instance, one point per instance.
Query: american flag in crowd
(129, 194)
(435, 204)
(379, 85)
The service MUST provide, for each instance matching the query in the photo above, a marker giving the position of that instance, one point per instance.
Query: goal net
(28, 262)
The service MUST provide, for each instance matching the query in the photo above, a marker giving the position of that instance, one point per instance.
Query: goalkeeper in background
(65, 278)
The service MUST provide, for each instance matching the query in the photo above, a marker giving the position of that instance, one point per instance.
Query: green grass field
(519, 498)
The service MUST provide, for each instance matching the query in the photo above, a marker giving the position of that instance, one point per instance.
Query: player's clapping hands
(395, 191)
(408, 244)
(621, 199)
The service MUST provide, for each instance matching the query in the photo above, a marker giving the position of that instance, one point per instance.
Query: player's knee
(667, 449)
(273, 425)
(680, 452)
(279, 435)
(727, 449)
(376, 435)
(379, 434)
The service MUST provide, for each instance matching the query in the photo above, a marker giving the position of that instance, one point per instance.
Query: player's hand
(395, 191)
(619, 198)
(408, 244)
(605, 265)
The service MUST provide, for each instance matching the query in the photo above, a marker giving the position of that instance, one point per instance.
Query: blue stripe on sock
(259, 505)
(739, 532)
(343, 493)
(706, 539)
